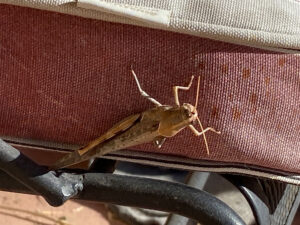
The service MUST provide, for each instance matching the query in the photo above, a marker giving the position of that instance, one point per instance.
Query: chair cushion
(66, 80)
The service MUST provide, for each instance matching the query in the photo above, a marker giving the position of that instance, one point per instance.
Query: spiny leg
(176, 88)
(143, 93)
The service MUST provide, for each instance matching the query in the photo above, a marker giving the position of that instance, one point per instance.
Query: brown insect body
(155, 125)
(151, 125)
(176, 118)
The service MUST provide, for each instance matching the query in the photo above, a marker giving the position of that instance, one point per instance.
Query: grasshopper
(153, 125)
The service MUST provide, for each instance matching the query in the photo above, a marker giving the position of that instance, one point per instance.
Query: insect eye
(187, 112)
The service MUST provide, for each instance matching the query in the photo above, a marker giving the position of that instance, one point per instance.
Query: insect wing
(76, 156)
(119, 127)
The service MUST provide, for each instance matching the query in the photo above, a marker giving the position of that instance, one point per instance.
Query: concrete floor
(71, 213)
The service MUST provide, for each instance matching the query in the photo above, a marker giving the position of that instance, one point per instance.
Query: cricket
(153, 125)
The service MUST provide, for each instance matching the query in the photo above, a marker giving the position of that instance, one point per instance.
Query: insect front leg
(176, 88)
(143, 93)
(198, 133)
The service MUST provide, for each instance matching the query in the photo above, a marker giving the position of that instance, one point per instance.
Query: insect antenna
(197, 95)
(204, 137)
(200, 124)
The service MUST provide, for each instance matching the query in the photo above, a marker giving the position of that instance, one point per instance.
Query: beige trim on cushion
(268, 24)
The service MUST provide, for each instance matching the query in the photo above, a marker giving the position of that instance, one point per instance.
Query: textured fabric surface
(67, 79)
(273, 24)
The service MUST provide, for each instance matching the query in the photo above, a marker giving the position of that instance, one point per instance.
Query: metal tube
(159, 195)
(55, 189)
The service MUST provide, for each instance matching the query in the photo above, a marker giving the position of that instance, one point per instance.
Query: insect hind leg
(143, 93)
(176, 88)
